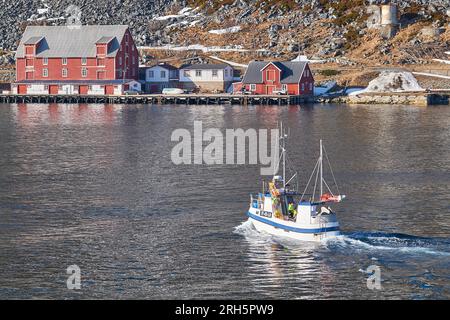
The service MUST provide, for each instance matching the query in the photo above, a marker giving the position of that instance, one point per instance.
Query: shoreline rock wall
(392, 99)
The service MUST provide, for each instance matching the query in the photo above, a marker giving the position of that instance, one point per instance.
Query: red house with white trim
(89, 59)
(270, 77)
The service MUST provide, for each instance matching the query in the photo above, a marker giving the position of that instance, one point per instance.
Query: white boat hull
(288, 229)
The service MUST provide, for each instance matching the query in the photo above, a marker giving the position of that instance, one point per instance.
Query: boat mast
(321, 169)
(284, 156)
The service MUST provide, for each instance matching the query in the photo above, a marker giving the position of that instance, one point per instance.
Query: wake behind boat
(281, 210)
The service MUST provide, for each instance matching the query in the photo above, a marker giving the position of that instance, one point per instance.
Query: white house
(206, 77)
(160, 76)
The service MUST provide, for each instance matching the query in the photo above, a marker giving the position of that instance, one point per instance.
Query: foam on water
(389, 242)
(367, 241)
(247, 229)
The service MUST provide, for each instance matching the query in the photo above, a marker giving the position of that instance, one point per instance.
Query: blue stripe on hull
(289, 228)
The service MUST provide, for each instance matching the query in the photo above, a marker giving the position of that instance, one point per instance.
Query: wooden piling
(187, 99)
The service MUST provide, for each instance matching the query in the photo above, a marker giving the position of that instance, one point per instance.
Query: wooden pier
(187, 99)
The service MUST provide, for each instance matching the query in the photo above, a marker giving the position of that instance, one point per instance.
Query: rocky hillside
(335, 30)
(319, 28)
(15, 15)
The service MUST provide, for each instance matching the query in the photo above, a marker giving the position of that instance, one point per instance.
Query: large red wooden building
(89, 59)
(269, 77)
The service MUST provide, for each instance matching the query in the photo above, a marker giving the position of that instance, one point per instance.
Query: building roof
(205, 66)
(104, 40)
(65, 41)
(33, 40)
(162, 65)
(291, 71)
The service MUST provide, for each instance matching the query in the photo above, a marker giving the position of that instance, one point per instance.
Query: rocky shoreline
(418, 99)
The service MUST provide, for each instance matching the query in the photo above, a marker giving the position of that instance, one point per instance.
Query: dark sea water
(94, 186)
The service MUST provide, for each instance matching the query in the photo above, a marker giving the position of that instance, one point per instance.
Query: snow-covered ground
(42, 11)
(318, 91)
(170, 16)
(354, 89)
(442, 61)
(431, 75)
(54, 19)
(201, 48)
(185, 10)
(392, 81)
(177, 24)
(226, 30)
(193, 23)
(44, 14)
(185, 17)
(305, 58)
(231, 63)
(183, 13)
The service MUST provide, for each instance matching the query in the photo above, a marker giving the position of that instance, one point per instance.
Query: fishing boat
(281, 210)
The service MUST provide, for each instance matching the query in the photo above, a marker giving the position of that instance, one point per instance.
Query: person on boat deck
(292, 210)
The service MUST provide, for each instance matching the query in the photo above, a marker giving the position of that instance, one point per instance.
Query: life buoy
(326, 197)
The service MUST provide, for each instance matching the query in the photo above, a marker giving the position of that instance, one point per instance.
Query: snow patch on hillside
(432, 75)
(186, 12)
(231, 63)
(226, 30)
(392, 81)
(42, 10)
(305, 58)
(201, 48)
